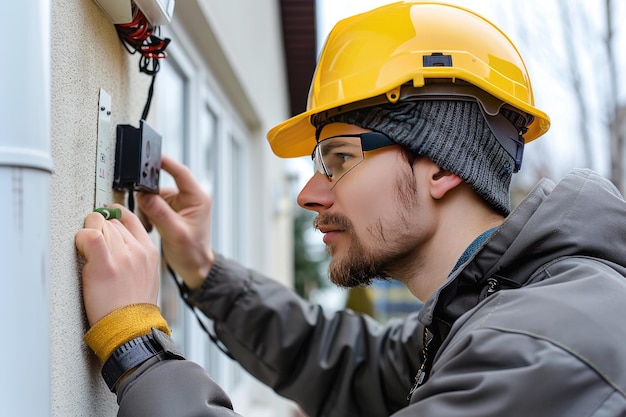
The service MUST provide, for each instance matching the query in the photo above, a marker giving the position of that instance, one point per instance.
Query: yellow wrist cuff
(122, 325)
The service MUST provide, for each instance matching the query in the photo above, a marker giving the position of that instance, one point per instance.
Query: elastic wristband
(123, 325)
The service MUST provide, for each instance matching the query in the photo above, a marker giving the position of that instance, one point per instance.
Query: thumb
(157, 211)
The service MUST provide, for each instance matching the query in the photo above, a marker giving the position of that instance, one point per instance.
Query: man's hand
(122, 264)
(183, 218)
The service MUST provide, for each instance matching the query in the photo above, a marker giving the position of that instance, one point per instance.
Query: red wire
(139, 35)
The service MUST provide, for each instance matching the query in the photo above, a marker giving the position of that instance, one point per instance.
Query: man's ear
(442, 182)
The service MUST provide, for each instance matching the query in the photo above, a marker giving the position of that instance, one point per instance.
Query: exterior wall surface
(239, 43)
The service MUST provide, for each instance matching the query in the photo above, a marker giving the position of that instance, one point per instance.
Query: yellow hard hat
(371, 55)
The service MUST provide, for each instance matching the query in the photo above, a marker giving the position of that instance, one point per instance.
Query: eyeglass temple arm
(374, 140)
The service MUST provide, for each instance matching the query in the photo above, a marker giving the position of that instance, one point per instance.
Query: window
(201, 131)
(171, 124)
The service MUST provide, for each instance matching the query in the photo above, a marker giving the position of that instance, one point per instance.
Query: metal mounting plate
(103, 171)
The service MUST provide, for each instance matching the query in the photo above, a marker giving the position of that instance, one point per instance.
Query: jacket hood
(583, 215)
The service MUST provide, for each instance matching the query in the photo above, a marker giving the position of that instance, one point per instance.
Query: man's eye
(344, 156)
(341, 157)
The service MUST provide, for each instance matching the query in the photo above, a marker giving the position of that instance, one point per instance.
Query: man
(417, 118)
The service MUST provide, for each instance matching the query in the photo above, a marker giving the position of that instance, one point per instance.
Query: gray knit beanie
(452, 134)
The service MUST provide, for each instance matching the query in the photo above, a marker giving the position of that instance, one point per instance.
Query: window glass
(197, 130)
(236, 170)
(207, 146)
(171, 85)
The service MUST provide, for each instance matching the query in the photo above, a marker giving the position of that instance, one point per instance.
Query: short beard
(358, 268)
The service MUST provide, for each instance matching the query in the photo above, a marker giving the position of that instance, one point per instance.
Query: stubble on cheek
(388, 239)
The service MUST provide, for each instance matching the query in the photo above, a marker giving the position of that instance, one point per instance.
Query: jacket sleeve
(343, 364)
(172, 388)
(168, 385)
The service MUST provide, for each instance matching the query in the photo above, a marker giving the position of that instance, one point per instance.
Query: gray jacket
(533, 324)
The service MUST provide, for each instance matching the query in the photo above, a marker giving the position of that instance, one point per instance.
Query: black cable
(131, 199)
(184, 292)
(146, 109)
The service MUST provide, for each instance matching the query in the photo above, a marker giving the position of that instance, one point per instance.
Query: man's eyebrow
(338, 143)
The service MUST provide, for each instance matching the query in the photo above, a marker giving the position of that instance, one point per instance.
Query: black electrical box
(137, 158)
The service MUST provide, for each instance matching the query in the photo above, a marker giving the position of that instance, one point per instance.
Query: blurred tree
(309, 260)
(578, 43)
(616, 110)
(612, 111)
(361, 299)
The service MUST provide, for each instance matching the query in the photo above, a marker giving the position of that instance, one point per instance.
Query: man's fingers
(131, 226)
(117, 232)
(91, 244)
(185, 181)
(94, 221)
(144, 220)
(168, 192)
(157, 210)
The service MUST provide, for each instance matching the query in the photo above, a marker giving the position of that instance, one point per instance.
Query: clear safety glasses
(337, 155)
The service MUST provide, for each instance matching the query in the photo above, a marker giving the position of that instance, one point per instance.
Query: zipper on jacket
(492, 285)
(421, 373)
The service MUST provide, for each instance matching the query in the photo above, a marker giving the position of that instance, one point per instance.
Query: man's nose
(316, 195)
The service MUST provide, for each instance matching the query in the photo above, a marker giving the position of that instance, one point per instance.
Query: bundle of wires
(139, 36)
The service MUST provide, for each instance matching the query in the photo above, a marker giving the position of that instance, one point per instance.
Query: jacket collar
(472, 281)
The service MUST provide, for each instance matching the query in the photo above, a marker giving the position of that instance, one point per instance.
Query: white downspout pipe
(25, 174)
